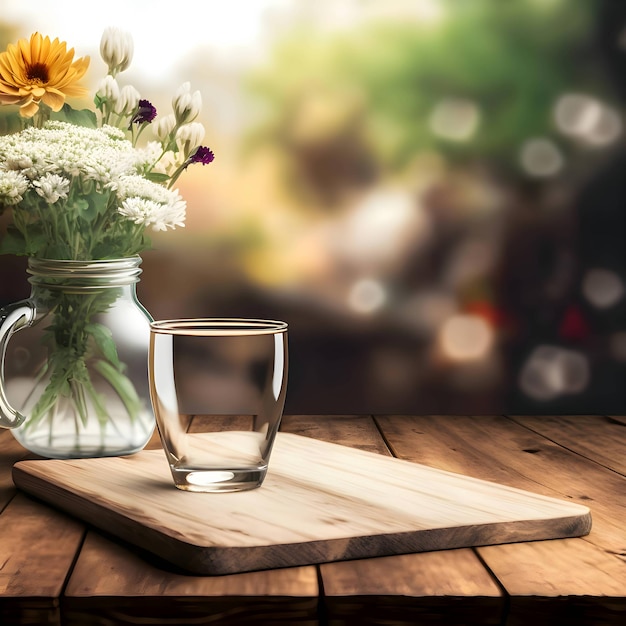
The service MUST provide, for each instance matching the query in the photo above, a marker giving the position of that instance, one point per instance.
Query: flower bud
(164, 126)
(189, 137)
(128, 99)
(186, 105)
(167, 164)
(108, 90)
(116, 49)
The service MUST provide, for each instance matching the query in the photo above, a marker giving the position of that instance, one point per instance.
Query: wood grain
(217, 423)
(560, 582)
(445, 587)
(494, 448)
(12, 452)
(125, 587)
(543, 579)
(607, 446)
(36, 553)
(355, 431)
(573, 581)
(321, 502)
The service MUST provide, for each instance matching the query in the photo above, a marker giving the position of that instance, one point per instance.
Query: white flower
(101, 155)
(108, 89)
(128, 100)
(150, 204)
(52, 187)
(116, 49)
(186, 105)
(146, 212)
(138, 210)
(149, 154)
(164, 126)
(13, 185)
(189, 137)
(171, 215)
(20, 162)
(135, 185)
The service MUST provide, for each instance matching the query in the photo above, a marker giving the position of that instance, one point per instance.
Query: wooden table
(56, 570)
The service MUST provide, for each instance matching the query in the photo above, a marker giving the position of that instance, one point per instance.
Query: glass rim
(217, 326)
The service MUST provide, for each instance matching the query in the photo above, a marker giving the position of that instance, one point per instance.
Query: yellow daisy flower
(37, 71)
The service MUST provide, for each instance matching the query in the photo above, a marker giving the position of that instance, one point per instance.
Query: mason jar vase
(73, 376)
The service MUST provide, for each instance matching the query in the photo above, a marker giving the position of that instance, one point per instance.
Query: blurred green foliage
(511, 58)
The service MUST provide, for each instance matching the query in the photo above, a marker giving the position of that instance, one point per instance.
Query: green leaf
(36, 241)
(79, 401)
(157, 177)
(104, 340)
(82, 117)
(99, 403)
(96, 205)
(123, 387)
(99, 101)
(13, 242)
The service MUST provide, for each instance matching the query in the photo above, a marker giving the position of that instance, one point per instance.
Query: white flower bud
(167, 164)
(164, 126)
(128, 99)
(108, 89)
(189, 137)
(186, 105)
(116, 49)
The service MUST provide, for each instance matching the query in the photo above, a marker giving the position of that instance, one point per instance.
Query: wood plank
(497, 449)
(606, 446)
(560, 582)
(36, 553)
(218, 423)
(10, 452)
(356, 431)
(446, 587)
(124, 587)
(320, 502)
(127, 586)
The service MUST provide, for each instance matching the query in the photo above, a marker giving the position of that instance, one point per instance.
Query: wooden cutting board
(320, 502)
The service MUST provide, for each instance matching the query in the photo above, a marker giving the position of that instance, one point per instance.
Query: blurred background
(430, 192)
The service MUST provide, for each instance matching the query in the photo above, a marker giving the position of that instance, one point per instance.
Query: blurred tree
(472, 86)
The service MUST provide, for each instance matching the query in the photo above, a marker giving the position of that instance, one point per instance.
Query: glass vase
(74, 381)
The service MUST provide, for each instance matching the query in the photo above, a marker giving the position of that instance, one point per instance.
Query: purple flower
(201, 154)
(144, 113)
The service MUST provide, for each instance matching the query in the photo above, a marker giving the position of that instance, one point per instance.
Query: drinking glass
(218, 389)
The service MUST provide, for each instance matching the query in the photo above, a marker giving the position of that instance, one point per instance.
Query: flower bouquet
(83, 187)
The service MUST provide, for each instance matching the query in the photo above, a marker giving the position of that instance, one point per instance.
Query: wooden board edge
(215, 560)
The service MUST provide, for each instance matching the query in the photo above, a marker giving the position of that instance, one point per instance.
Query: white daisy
(13, 185)
(52, 187)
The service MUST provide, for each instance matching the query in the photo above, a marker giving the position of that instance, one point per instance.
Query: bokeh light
(456, 120)
(552, 371)
(367, 296)
(466, 337)
(587, 119)
(541, 157)
(602, 288)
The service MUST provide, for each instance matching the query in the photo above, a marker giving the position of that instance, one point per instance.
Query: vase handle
(13, 317)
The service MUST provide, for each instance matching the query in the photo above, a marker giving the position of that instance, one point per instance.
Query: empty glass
(218, 389)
